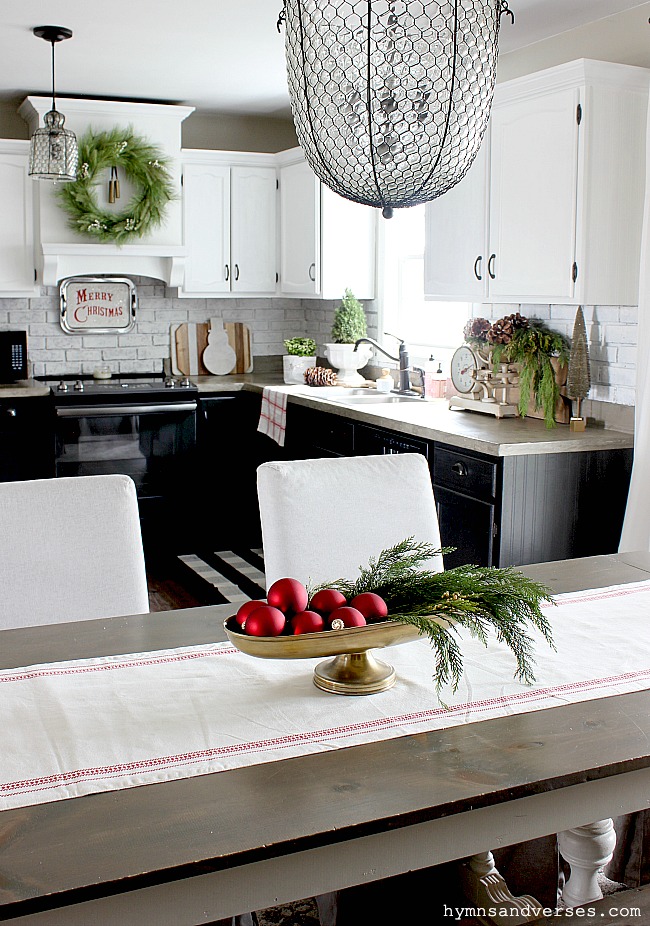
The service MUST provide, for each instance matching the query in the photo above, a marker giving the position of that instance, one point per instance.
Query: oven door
(153, 444)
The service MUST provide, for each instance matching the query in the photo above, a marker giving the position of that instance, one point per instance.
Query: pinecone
(502, 330)
(476, 329)
(320, 376)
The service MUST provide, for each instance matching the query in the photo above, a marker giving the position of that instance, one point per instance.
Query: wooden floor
(167, 589)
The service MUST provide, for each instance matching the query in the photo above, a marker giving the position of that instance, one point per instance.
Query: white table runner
(74, 728)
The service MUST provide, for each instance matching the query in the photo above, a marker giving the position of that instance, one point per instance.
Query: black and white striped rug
(224, 576)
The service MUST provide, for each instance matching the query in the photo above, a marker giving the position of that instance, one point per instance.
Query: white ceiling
(217, 55)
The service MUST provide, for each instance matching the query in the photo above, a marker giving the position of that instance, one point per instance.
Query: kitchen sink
(363, 397)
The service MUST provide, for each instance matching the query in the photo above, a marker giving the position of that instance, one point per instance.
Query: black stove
(88, 390)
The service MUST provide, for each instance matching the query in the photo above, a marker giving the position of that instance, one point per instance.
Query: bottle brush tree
(579, 376)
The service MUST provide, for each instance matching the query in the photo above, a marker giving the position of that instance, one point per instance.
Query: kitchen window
(427, 327)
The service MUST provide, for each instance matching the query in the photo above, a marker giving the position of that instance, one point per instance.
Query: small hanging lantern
(390, 98)
(53, 153)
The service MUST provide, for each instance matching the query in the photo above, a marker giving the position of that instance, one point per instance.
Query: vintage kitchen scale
(479, 387)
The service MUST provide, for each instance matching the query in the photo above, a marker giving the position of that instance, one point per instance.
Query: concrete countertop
(432, 419)
(23, 388)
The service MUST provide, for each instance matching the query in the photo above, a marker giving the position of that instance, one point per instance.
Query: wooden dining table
(198, 849)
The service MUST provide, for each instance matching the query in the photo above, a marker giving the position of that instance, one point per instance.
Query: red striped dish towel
(273, 414)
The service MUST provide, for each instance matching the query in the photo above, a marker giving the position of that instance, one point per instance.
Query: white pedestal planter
(347, 362)
(293, 368)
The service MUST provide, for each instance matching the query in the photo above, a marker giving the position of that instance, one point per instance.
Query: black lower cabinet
(495, 511)
(26, 438)
(229, 450)
(468, 525)
(314, 434)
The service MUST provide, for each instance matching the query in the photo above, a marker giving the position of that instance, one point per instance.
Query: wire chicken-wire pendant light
(53, 153)
(391, 98)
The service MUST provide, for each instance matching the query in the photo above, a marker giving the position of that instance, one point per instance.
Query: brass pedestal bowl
(352, 668)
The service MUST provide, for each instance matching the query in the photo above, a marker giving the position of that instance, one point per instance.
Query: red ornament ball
(288, 595)
(307, 622)
(265, 621)
(350, 616)
(247, 608)
(327, 600)
(373, 607)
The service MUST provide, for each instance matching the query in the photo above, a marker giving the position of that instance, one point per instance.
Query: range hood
(62, 252)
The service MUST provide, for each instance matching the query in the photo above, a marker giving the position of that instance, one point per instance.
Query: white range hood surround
(60, 251)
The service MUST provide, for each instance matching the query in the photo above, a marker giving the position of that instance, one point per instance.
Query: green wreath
(145, 167)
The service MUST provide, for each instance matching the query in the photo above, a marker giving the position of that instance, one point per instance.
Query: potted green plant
(348, 326)
(539, 354)
(300, 355)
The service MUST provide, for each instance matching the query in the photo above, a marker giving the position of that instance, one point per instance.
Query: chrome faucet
(402, 359)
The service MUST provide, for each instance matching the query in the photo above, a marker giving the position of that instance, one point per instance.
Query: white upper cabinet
(551, 211)
(456, 256)
(16, 227)
(299, 230)
(229, 220)
(327, 243)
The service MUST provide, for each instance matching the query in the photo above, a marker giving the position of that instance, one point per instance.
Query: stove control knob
(170, 383)
(79, 386)
(62, 387)
(185, 383)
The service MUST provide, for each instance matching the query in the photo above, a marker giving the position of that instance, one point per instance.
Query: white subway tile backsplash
(611, 330)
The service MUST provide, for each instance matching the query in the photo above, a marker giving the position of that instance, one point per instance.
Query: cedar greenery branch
(532, 345)
(142, 163)
(478, 599)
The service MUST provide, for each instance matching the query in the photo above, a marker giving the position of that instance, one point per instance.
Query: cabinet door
(534, 165)
(16, 228)
(206, 228)
(348, 243)
(26, 439)
(456, 252)
(466, 524)
(299, 230)
(253, 229)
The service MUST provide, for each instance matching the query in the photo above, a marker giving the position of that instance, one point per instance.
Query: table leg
(587, 849)
(485, 888)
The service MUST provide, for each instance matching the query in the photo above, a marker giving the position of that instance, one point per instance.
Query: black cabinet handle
(477, 267)
(227, 272)
(491, 261)
(312, 272)
(459, 468)
(236, 271)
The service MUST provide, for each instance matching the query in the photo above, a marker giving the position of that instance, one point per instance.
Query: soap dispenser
(434, 379)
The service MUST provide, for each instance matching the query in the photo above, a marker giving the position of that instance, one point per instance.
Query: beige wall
(200, 130)
(238, 133)
(623, 38)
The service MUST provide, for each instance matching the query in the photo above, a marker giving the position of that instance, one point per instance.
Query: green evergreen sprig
(478, 599)
(532, 348)
(141, 162)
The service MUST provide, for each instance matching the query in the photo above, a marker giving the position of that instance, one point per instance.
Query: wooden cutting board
(190, 339)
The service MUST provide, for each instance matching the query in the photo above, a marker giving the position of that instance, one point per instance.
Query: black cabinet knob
(459, 468)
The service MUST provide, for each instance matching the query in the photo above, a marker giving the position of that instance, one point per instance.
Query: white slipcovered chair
(70, 550)
(322, 519)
